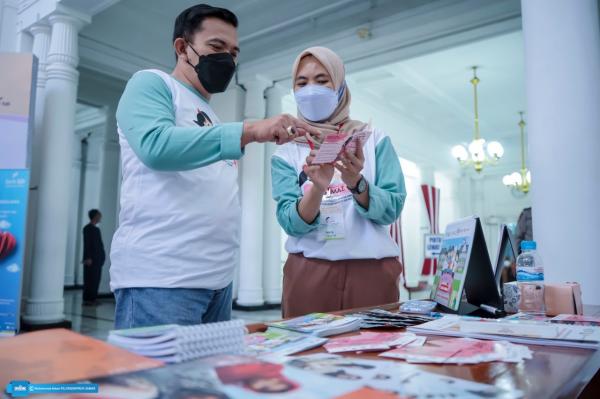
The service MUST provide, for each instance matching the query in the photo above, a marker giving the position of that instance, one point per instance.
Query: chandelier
(520, 181)
(478, 153)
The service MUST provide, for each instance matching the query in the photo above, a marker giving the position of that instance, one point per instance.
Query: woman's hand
(350, 165)
(319, 175)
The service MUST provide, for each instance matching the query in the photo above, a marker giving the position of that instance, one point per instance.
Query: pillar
(272, 268)
(8, 25)
(40, 43)
(109, 189)
(45, 304)
(563, 99)
(250, 290)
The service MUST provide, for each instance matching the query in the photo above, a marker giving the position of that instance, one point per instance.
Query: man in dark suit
(93, 258)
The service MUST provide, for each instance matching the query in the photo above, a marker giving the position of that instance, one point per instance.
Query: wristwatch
(361, 186)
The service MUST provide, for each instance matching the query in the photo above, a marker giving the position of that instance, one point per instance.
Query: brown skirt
(317, 285)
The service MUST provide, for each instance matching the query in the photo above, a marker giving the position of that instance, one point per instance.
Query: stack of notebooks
(174, 343)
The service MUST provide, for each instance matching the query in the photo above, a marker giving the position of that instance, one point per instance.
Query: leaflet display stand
(465, 279)
(506, 259)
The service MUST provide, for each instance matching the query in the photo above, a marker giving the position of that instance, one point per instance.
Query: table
(552, 373)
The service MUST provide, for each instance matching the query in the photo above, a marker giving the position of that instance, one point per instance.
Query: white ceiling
(143, 28)
(434, 91)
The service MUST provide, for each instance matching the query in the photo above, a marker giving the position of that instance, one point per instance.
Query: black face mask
(214, 70)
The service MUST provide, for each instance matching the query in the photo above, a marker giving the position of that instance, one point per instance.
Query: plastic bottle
(530, 279)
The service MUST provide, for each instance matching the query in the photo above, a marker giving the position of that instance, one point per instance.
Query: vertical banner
(431, 196)
(18, 72)
(14, 189)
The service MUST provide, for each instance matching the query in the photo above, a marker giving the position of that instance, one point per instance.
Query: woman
(341, 254)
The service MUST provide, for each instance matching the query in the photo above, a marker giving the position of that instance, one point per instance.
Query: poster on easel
(464, 279)
(18, 72)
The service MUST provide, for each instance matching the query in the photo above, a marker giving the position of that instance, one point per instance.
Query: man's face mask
(316, 102)
(214, 70)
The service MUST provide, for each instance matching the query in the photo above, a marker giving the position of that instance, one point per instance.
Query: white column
(24, 42)
(8, 25)
(272, 268)
(41, 42)
(109, 189)
(562, 56)
(45, 303)
(250, 291)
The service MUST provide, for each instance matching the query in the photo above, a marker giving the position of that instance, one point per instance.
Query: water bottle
(530, 279)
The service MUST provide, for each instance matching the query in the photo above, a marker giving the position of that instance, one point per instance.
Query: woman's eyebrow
(322, 75)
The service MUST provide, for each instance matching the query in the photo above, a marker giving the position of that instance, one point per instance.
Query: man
(93, 258)
(174, 253)
(524, 228)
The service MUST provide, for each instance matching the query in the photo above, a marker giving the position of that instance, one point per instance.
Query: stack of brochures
(276, 341)
(461, 351)
(372, 341)
(320, 324)
(173, 343)
(520, 331)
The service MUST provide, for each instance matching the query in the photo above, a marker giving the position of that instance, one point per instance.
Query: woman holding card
(337, 214)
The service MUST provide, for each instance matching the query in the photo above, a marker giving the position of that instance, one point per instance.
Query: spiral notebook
(173, 343)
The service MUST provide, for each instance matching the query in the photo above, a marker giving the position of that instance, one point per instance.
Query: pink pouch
(563, 298)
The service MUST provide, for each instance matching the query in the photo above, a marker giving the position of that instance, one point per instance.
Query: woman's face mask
(316, 102)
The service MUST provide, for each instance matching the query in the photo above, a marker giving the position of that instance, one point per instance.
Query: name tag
(332, 222)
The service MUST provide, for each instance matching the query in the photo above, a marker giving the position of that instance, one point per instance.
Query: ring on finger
(291, 130)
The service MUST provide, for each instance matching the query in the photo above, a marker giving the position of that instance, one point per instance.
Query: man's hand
(350, 165)
(87, 262)
(279, 129)
(320, 175)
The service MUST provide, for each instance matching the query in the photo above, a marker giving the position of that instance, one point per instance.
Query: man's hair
(190, 20)
(92, 213)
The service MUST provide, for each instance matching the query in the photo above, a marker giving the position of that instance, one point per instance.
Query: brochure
(276, 341)
(401, 379)
(320, 324)
(461, 351)
(334, 144)
(453, 261)
(369, 341)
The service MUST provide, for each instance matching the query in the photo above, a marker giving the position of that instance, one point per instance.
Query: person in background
(341, 254)
(173, 255)
(93, 258)
(524, 228)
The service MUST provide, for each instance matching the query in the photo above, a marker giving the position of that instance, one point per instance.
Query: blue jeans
(141, 307)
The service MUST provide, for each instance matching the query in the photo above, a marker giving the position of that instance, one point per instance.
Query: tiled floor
(98, 321)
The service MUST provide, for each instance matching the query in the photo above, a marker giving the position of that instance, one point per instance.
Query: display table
(552, 373)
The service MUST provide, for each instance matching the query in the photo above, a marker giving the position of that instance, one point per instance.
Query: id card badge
(332, 222)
